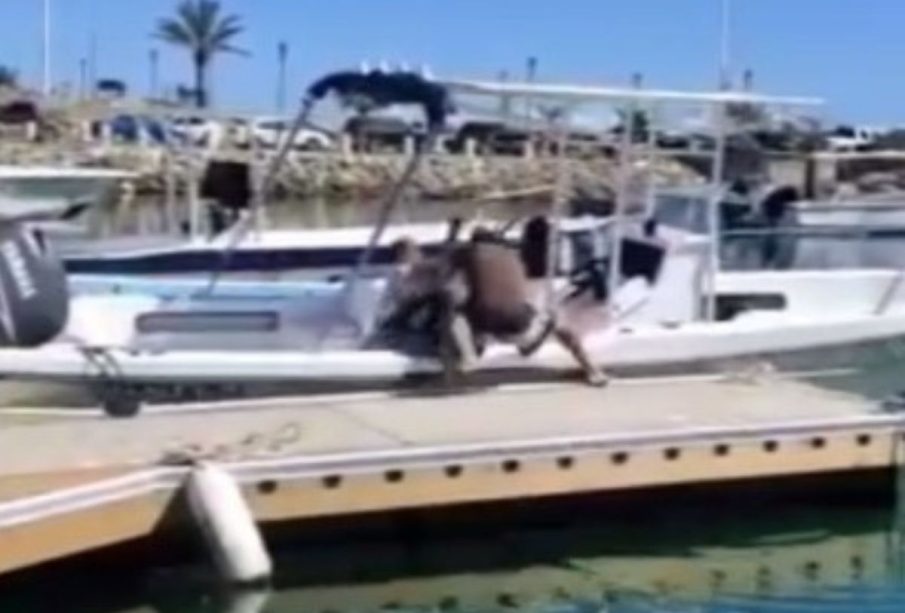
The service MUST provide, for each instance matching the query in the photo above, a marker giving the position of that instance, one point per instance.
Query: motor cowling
(34, 294)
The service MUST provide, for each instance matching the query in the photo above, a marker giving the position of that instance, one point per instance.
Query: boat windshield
(684, 211)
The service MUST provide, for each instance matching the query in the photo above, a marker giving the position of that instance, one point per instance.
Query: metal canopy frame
(650, 101)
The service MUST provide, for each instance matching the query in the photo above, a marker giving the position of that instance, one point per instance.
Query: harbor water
(843, 559)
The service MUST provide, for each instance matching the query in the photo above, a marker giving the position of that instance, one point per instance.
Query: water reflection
(781, 568)
(794, 560)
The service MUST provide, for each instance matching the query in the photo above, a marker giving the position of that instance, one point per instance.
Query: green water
(849, 559)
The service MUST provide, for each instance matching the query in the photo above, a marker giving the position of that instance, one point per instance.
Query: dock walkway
(72, 481)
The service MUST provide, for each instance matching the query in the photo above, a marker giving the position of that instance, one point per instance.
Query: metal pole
(530, 76)
(193, 189)
(251, 220)
(726, 46)
(154, 62)
(561, 192)
(387, 208)
(713, 211)
(622, 189)
(282, 58)
(748, 80)
(170, 189)
(653, 151)
(505, 101)
(46, 50)
(92, 63)
(83, 78)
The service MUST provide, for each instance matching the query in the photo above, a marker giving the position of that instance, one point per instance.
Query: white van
(853, 138)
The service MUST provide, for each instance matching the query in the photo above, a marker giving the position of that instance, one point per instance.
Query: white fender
(228, 526)
(247, 602)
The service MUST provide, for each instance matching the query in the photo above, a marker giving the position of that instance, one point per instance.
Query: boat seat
(641, 259)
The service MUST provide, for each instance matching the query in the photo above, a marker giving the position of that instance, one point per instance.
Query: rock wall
(337, 175)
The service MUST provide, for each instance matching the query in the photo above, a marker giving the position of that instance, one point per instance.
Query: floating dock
(74, 481)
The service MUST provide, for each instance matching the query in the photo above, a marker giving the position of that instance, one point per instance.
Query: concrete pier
(71, 482)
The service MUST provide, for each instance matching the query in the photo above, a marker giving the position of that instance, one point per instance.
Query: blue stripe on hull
(246, 260)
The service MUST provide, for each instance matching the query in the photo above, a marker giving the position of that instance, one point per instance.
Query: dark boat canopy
(383, 89)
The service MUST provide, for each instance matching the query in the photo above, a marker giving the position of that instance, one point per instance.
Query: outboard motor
(228, 185)
(34, 295)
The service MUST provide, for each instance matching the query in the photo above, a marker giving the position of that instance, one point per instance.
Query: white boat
(22, 186)
(264, 254)
(872, 214)
(321, 335)
(670, 309)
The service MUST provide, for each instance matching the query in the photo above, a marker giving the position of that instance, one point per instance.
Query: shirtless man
(420, 297)
(497, 303)
(412, 289)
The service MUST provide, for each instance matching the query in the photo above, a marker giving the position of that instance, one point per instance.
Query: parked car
(198, 131)
(371, 132)
(853, 138)
(489, 136)
(19, 111)
(269, 132)
(125, 128)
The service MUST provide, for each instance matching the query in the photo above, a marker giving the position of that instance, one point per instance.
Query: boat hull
(268, 252)
(641, 352)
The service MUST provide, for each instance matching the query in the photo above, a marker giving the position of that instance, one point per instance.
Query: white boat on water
(870, 214)
(665, 308)
(266, 254)
(24, 189)
(322, 336)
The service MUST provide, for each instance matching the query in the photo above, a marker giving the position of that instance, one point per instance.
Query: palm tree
(201, 27)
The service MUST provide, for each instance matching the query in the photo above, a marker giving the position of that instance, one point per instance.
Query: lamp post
(83, 78)
(282, 59)
(530, 77)
(153, 76)
(726, 46)
(92, 64)
(505, 101)
(47, 80)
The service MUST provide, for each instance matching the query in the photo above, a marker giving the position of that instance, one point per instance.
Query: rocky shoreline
(343, 176)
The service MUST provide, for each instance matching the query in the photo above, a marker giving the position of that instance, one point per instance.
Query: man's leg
(568, 339)
(457, 343)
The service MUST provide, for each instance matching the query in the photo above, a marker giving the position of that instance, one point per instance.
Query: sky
(849, 52)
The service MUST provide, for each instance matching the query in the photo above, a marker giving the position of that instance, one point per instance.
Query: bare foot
(597, 378)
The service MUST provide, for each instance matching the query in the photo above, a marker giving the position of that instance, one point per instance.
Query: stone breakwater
(335, 175)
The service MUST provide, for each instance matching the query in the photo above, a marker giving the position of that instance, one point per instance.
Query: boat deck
(303, 458)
